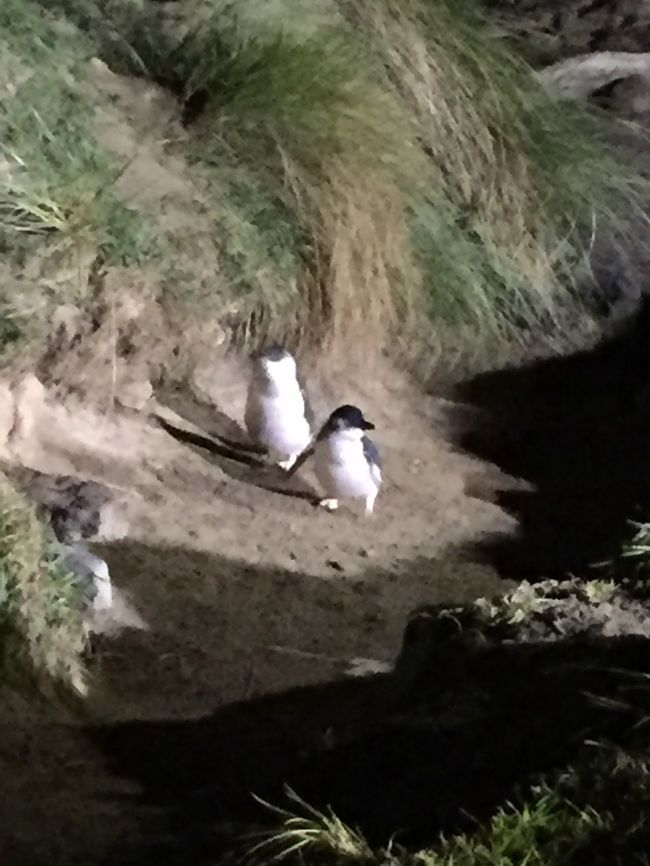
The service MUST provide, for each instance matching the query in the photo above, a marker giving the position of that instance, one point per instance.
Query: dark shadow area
(435, 747)
(578, 429)
(208, 417)
(237, 462)
(228, 451)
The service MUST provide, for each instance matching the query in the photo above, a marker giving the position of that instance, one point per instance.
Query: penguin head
(347, 419)
(277, 363)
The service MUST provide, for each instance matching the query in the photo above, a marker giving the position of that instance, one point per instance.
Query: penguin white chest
(275, 417)
(342, 468)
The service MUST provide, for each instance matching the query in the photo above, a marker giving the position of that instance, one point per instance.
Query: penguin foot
(370, 504)
(329, 504)
(286, 465)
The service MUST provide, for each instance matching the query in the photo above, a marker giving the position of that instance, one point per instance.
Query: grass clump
(545, 831)
(637, 548)
(631, 567)
(375, 167)
(427, 169)
(312, 831)
(358, 171)
(321, 135)
(552, 610)
(41, 628)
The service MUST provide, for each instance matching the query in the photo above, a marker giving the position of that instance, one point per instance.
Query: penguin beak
(367, 425)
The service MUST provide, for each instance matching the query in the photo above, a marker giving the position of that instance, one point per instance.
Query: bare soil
(257, 603)
(246, 588)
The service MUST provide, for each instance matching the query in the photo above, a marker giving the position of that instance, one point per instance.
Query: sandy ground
(257, 602)
(245, 586)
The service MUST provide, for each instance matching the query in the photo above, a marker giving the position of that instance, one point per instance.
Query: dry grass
(427, 169)
(509, 165)
(333, 143)
(378, 174)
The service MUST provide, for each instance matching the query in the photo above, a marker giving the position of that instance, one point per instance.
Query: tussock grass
(514, 172)
(637, 547)
(546, 831)
(428, 169)
(41, 628)
(331, 141)
(373, 173)
(375, 167)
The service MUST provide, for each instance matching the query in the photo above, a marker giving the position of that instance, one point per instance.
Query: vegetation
(592, 810)
(360, 168)
(41, 628)
(356, 171)
(56, 179)
(637, 548)
(544, 832)
(58, 207)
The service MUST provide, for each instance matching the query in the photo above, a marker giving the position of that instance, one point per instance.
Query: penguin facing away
(276, 414)
(347, 462)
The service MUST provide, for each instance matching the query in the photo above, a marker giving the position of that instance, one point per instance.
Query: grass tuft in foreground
(545, 831)
(312, 831)
(41, 628)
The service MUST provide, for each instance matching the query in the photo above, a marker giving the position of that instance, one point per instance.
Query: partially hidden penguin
(90, 572)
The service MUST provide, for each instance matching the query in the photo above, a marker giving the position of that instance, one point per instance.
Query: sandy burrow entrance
(246, 587)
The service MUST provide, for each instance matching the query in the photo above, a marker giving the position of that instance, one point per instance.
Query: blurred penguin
(90, 571)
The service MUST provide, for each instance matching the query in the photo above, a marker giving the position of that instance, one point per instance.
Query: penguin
(92, 574)
(347, 462)
(276, 414)
(89, 571)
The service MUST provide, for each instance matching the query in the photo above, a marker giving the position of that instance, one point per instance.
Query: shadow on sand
(242, 461)
(578, 429)
(436, 746)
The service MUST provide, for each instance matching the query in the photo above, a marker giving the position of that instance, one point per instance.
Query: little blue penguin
(276, 415)
(91, 572)
(347, 462)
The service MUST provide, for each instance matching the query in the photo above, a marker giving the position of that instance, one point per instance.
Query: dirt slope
(245, 589)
